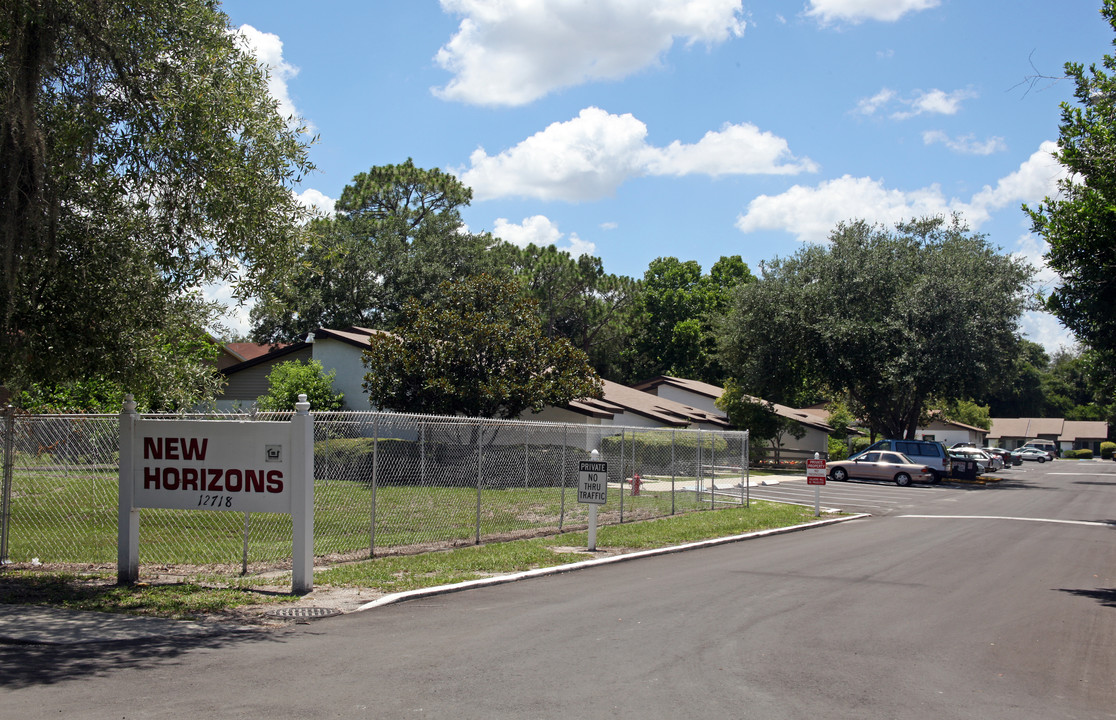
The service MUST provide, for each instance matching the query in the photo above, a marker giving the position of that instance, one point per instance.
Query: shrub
(860, 443)
(838, 449)
(289, 379)
(1107, 449)
(1083, 454)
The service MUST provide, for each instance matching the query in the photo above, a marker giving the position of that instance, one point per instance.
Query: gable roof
(807, 417)
(356, 336)
(246, 351)
(936, 418)
(623, 399)
(255, 354)
(695, 386)
(1059, 428)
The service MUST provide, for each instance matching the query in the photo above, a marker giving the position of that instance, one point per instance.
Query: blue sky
(635, 129)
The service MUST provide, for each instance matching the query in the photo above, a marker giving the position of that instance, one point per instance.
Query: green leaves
(891, 317)
(398, 234)
(141, 158)
(1079, 224)
(288, 380)
(478, 350)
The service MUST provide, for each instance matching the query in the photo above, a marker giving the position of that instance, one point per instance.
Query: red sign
(815, 471)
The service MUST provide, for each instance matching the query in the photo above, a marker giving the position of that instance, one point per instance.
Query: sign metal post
(592, 488)
(815, 475)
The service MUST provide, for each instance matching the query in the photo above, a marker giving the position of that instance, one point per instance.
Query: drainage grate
(303, 612)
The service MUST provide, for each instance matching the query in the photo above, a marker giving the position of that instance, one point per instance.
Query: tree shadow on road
(1105, 596)
(28, 665)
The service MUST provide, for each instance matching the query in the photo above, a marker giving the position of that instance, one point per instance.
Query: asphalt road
(958, 602)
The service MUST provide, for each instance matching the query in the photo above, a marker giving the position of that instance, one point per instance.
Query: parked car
(881, 465)
(1003, 454)
(1032, 454)
(927, 452)
(984, 461)
(1046, 446)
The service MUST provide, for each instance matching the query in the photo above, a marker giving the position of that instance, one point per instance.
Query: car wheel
(840, 474)
(1042, 460)
(902, 479)
(935, 477)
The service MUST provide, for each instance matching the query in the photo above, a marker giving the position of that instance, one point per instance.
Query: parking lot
(883, 498)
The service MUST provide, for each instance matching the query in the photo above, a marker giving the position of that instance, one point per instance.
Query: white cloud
(1046, 330)
(268, 51)
(855, 11)
(937, 102)
(869, 106)
(735, 150)
(588, 157)
(934, 102)
(512, 52)
(316, 200)
(965, 144)
(1036, 178)
(541, 231)
(811, 213)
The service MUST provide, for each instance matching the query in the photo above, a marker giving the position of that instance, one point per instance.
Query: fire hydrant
(636, 482)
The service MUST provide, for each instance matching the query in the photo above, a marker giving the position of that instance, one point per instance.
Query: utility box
(962, 469)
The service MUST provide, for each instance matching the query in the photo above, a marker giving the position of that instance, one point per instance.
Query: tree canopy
(397, 234)
(141, 158)
(673, 319)
(1079, 224)
(892, 318)
(577, 300)
(479, 350)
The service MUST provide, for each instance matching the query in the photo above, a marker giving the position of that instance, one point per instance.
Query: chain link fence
(384, 483)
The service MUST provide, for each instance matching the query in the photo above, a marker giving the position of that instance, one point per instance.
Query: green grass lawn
(393, 573)
(72, 518)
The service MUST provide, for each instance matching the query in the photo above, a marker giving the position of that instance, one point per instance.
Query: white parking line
(1002, 517)
(1090, 474)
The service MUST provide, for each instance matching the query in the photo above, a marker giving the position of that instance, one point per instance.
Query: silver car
(881, 465)
(985, 461)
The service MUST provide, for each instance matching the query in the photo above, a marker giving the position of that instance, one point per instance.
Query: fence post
(127, 529)
(622, 435)
(375, 477)
(9, 464)
(480, 469)
(562, 475)
(244, 551)
(712, 470)
(526, 456)
(672, 470)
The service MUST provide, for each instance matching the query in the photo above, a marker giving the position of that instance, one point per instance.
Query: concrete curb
(540, 572)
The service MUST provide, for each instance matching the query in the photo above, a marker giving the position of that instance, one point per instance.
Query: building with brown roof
(337, 350)
(704, 396)
(1012, 433)
(622, 405)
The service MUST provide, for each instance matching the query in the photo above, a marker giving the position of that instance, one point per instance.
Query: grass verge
(208, 595)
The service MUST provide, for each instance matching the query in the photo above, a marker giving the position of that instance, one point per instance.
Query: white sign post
(592, 488)
(815, 475)
(232, 466)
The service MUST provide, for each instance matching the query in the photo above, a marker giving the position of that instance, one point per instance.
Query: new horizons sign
(212, 465)
(237, 466)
